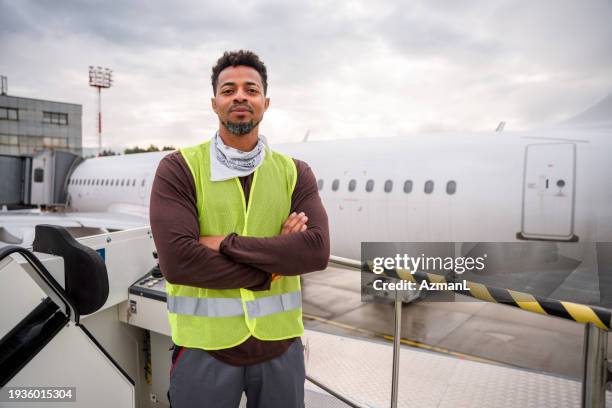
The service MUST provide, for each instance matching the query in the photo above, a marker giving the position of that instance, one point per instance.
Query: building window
(55, 118)
(451, 187)
(352, 185)
(335, 185)
(429, 187)
(388, 186)
(369, 185)
(320, 184)
(9, 114)
(408, 186)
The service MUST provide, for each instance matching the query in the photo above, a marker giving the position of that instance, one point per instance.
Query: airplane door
(142, 186)
(548, 192)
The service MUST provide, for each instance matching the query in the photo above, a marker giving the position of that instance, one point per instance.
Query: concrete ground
(332, 303)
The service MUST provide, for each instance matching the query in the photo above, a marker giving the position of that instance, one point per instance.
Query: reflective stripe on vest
(227, 307)
(274, 304)
(211, 307)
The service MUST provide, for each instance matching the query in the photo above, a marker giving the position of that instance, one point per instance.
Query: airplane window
(320, 184)
(97, 182)
(117, 182)
(408, 186)
(143, 183)
(106, 182)
(388, 186)
(352, 185)
(134, 183)
(369, 185)
(122, 182)
(429, 186)
(451, 187)
(335, 184)
(112, 182)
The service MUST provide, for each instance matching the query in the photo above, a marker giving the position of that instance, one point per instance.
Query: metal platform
(360, 369)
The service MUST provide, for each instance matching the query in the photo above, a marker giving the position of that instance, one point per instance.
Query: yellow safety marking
(405, 274)
(441, 350)
(413, 343)
(480, 292)
(436, 278)
(583, 314)
(527, 302)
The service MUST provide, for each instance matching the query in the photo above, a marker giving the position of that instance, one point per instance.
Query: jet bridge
(37, 180)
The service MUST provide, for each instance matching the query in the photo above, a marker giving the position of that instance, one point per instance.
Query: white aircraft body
(553, 184)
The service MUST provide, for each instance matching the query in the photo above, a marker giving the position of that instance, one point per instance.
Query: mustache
(242, 106)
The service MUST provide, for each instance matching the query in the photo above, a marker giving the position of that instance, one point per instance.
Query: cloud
(355, 69)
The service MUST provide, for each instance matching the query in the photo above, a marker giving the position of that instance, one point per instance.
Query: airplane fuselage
(546, 185)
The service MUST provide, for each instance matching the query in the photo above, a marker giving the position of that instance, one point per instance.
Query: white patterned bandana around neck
(227, 162)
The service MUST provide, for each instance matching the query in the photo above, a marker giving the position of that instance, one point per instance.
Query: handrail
(69, 308)
(597, 320)
(397, 328)
(351, 263)
(577, 312)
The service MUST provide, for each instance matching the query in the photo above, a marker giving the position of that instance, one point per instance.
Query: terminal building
(40, 143)
(29, 126)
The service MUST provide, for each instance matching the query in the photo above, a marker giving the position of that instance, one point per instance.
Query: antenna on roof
(501, 126)
(3, 85)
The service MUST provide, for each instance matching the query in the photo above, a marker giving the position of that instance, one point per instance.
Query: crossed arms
(233, 261)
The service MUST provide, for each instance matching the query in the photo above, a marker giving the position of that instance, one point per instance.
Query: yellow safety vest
(214, 319)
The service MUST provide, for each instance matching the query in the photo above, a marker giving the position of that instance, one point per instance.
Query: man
(235, 224)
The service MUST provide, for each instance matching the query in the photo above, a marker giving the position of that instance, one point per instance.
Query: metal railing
(596, 372)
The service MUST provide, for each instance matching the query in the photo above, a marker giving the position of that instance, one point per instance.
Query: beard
(240, 129)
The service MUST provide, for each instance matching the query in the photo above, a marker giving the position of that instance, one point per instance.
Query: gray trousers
(198, 380)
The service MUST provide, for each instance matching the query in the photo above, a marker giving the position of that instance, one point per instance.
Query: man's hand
(294, 223)
(213, 242)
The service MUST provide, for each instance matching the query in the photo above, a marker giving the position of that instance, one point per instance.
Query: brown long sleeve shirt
(242, 262)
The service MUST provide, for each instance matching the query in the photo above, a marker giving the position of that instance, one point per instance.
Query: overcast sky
(355, 70)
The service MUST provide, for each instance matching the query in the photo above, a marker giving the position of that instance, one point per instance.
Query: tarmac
(466, 328)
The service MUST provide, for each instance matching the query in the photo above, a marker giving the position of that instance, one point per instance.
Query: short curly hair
(236, 58)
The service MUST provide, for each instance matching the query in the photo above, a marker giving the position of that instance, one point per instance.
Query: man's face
(240, 102)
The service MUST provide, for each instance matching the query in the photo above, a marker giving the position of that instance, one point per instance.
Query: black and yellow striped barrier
(600, 317)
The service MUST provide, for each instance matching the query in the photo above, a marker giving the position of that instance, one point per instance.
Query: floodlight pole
(100, 78)
(99, 120)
